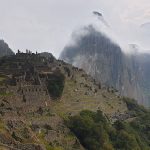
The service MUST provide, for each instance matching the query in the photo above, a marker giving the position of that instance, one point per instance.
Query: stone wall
(3, 90)
(34, 93)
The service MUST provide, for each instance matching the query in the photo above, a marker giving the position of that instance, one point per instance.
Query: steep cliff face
(4, 49)
(143, 61)
(105, 61)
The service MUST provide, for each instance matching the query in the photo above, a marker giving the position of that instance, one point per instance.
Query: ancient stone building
(34, 93)
(27, 76)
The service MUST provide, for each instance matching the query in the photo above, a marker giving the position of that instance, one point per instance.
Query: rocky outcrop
(4, 49)
(143, 62)
(105, 61)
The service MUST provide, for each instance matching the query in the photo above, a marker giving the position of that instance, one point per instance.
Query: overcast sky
(46, 25)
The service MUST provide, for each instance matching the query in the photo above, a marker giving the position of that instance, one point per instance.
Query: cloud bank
(47, 25)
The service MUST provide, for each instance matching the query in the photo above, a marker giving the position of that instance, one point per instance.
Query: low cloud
(47, 25)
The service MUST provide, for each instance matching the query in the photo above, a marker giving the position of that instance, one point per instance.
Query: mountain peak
(100, 17)
(4, 49)
(105, 61)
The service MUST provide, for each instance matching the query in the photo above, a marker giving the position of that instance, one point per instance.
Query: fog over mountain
(47, 25)
(146, 25)
(75, 75)
(146, 28)
(105, 60)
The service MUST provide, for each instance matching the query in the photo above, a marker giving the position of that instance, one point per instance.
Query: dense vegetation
(133, 107)
(2, 79)
(95, 132)
(56, 84)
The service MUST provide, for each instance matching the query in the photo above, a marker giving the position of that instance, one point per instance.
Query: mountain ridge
(38, 93)
(106, 62)
(4, 49)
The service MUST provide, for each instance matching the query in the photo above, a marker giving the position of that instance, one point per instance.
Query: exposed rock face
(47, 55)
(105, 61)
(143, 62)
(4, 49)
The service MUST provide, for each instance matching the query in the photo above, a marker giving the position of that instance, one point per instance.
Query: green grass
(48, 147)
(46, 144)
(2, 126)
(69, 137)
(6, 94)
(2, 79)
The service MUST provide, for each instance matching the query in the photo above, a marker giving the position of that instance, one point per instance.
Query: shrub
(96, 133)
(55, 85)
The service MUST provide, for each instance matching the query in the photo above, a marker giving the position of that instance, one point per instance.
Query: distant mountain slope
(105, 61)
(47, 55)
(143, 61)
(4, 49)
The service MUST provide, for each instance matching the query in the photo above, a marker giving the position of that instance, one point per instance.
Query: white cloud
(47, 24)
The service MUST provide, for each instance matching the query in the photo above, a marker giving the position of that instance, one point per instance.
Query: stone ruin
(26, 77)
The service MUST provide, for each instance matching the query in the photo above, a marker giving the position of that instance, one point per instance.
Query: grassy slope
(74, 98)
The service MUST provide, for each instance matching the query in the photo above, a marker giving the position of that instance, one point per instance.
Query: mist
(48, 25)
